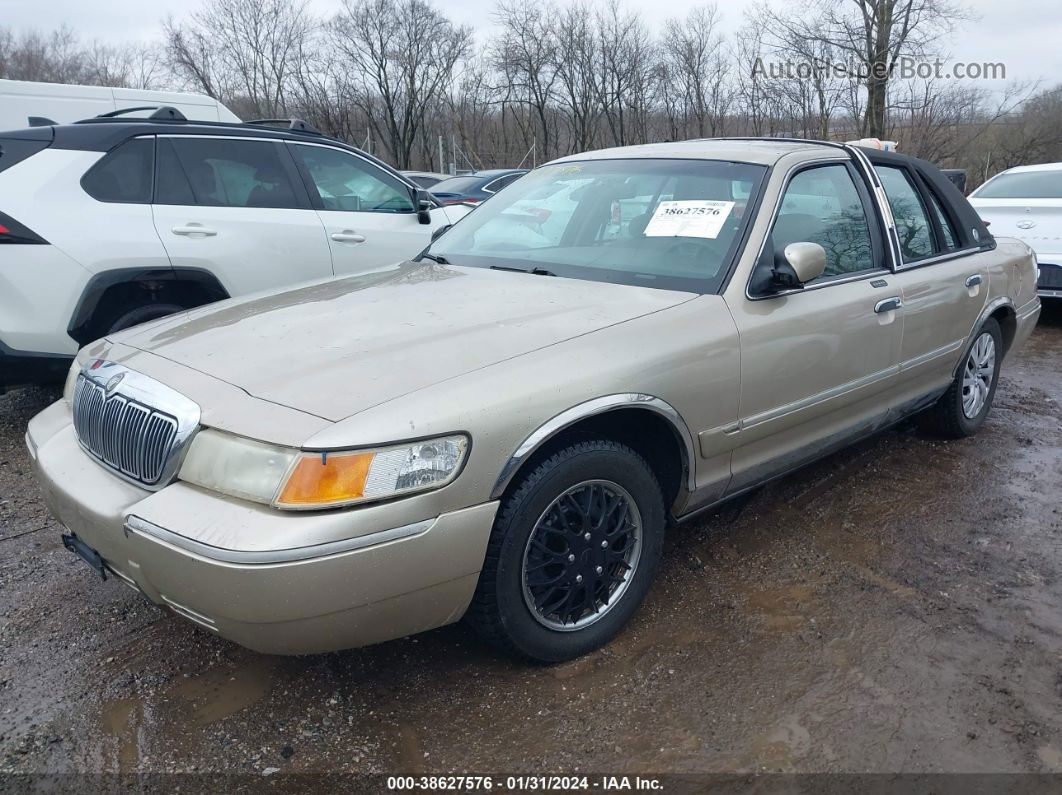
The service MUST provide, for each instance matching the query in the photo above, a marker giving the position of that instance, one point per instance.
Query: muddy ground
(896, 607)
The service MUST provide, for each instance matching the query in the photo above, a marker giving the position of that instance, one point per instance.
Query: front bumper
(379, 582)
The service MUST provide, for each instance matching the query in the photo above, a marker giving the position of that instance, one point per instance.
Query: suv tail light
(11, 231)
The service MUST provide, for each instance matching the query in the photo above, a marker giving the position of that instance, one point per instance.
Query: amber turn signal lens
(324, 479)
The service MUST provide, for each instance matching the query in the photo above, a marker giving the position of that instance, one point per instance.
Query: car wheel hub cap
(978, 374)
(581, 555)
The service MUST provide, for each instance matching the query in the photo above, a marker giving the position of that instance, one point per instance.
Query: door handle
(348, 236)
(973, 281)
(193, 229)
(888, 305)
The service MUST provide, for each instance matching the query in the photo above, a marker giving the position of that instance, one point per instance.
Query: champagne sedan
(504, 429)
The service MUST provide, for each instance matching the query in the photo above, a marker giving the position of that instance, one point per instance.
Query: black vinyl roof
(946, 191)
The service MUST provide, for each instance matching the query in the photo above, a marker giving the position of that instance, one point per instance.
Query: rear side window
(215, 172)
(124, 174)
(946, 228)
(911, 216)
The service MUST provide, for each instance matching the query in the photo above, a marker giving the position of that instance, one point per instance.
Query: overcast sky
(1023, 34)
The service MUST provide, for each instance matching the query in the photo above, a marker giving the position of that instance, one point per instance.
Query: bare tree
(245, 52)
(401, 55)
(694, 72)
(873, 35)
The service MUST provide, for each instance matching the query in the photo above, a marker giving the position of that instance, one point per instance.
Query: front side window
(346, 182)
(216, 172)
(912, 219)
(671, 224)
(124, 174)
(822, 205)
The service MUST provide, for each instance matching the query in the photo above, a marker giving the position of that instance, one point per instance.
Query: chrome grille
(126, 435)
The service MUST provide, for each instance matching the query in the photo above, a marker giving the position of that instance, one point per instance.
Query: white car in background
(1026, 203)
(114, 221)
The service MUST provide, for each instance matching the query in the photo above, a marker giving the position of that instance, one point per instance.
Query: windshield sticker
(689, 218)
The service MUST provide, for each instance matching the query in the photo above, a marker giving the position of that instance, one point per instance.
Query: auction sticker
(689, 218)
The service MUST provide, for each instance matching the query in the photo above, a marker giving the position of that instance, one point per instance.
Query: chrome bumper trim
(1044, 292)
(134, 524)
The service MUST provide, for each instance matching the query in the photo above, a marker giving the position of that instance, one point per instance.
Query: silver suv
(504, 429)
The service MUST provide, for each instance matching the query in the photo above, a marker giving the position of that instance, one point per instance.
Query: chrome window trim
(590, 408)
(142, 527)
(150, 393)
(877, 192)
(938, 258)
(857, 276)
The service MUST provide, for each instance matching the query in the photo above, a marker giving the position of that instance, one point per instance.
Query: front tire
(961, 411)
(572, 554)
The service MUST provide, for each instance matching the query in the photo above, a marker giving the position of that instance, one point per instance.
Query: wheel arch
(648, 424)
(188, 287)
(1001, 307)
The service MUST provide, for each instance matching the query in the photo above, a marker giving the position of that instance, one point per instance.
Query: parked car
(425, 179)
(505, 433)
(26, 104)
(474, 188)
(1026, 203)
(114, 221)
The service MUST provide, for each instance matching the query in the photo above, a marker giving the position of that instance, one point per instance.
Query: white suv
(114, 221)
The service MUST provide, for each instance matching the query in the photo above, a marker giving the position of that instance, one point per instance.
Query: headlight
(298, 480)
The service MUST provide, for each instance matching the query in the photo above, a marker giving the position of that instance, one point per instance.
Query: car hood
(338, 347)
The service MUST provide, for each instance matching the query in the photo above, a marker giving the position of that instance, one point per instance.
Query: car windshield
(1023, 185)
(458, 184)
(671, 224)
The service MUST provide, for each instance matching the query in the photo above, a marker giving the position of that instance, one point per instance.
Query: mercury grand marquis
(503, 429)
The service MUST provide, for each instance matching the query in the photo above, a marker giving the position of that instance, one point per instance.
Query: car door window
(215, 172)
(912, 218)
(344, 181)
(123, 174)
(946, 229)
(822, 205)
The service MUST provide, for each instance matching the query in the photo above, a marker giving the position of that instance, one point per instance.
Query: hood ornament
(1026, 223)
(113, 384)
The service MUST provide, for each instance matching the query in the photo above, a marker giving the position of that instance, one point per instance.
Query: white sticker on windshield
(689, 218)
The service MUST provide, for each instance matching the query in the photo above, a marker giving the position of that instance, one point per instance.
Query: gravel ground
(895, 607)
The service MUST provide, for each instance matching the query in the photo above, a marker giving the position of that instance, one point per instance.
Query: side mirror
(798, 264)
(424, 204)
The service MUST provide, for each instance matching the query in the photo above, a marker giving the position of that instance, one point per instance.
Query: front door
(817, 364)
(369, 218)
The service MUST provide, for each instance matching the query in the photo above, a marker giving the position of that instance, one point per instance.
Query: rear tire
(572, 554)
(143, 314)
(962, 410)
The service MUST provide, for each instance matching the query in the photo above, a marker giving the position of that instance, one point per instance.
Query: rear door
(944, 286)
(237, 208)
(368, 214)
(817, 364)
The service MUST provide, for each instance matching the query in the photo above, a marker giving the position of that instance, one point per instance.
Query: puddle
(221, 692)
(122, 720)
(783, 609)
